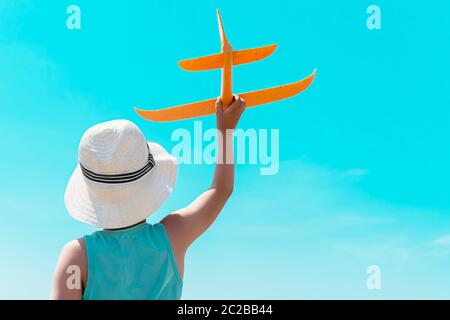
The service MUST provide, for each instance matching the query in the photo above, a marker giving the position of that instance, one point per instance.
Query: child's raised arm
(187, 224)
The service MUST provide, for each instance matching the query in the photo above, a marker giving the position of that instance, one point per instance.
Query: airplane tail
(215, 61)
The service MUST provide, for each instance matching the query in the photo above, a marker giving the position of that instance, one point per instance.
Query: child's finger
(241, 109)
(243, 103)
(236, 105)
(241, 106)
(219, 105)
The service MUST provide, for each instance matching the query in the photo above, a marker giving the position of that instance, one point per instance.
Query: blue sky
(364, 175)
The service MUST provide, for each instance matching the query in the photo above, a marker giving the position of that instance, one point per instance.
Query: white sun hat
(120, 179)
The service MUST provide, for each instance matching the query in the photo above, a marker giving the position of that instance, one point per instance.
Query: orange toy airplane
(226, 60)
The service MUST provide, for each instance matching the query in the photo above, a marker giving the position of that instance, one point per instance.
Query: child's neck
(143, 221)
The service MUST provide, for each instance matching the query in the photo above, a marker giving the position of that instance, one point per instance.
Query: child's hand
(228, 118)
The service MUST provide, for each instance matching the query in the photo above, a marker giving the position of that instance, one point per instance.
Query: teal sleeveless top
(134, 263)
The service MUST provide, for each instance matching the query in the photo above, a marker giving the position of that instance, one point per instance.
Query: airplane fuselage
(227, 69)
(227, 77)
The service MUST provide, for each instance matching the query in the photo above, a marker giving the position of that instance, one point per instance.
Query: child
(120, 180)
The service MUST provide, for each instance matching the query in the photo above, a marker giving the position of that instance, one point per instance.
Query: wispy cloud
(439, 247)
(9, 206)
(309, 216)
(442, 241)
(376, 253)
(363, 220)
(357, 172)
(326, 206)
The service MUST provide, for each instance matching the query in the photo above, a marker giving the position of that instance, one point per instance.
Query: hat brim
(112, 206)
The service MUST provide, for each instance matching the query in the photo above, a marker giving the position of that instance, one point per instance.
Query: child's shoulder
(73, 261)
(74, 252)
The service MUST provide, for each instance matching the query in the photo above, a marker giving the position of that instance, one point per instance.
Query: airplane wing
(259, 97)
(215, 61)
(191, 110)
(251, 55)
(207, 107)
